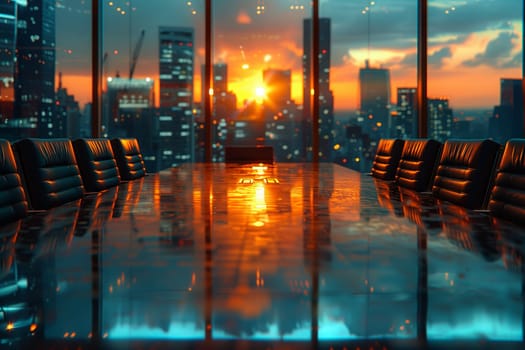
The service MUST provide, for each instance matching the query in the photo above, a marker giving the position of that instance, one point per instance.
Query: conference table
(261, 256)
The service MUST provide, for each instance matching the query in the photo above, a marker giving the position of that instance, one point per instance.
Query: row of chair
(475, 174)
(39, 174)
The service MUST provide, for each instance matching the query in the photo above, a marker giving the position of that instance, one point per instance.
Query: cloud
(438, 57)
(410, 60)
(243, 18)
(498, 53)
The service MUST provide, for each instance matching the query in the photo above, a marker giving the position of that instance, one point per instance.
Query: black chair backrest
(97, 164)
(507, 199)
(387, 158)
(417, 163)
(50, 172)
(129, 158)
(248, 154)
(464, 172)
(13, 202)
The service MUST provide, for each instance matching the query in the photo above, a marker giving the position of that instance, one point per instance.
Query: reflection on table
(299, 253)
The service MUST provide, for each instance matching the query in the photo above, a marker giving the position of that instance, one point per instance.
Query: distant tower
(374, 86)
(68, 112)
(326, 98)
(224, 108)
(281, 115)
(176, 67)
(8, 26)
(220, 78)
(404, 122)
(278, 84)
(440, 118)
(507, 119)
(130, 111)
(35, 77)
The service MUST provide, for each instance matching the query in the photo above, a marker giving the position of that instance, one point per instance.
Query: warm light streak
(33, 327)
(259, 198)
(10, 326)
(260, 94)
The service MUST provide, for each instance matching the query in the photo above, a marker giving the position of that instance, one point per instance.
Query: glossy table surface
(284, 256)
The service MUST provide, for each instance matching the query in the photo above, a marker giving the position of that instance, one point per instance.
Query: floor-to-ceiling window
(258, 73)
(475, 57)
(367, 92)
(368, 87)
(151, 66)
(475, 69)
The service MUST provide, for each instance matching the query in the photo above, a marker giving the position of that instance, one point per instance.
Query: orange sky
(473, 87)
(248, 53)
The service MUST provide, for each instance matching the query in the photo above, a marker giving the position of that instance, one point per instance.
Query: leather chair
(507, 199)
(417, 163)
(464, 172)
(13, 202)
(50, 172)
(129, 158)
(248, 154)
(97, 164)
(387, 158)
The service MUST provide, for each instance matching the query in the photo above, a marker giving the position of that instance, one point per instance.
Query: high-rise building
(281, 115)
(374, 88)
(507, 119)
(8, 24)
(67, 112)
(440, 119)
(404, 120)
(131, 113)
(278, 86)
(35, 73)
(326, 98)
(220, 78)
(224, 107)
(176, 67)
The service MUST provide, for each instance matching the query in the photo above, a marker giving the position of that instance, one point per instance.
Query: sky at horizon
(471, 46)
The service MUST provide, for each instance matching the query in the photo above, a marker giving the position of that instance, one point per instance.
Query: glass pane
(150, 54)
(258, 76)
(372, 76)
(475, 69)
(45, 70)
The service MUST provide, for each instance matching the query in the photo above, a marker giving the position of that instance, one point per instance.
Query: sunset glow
(464, 65)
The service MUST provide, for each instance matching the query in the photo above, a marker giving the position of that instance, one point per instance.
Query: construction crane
(136, 53)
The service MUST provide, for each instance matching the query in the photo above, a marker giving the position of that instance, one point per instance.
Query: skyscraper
(224, 107)
(281, 115)
(404, 124)
(220, 78)
(374, 88)
(176, 67)
(8, 26)
(35, 75)
(67, 111)
(507, 119)
(326, 99)
(278, 85)
(131, 113)
(440, 119)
